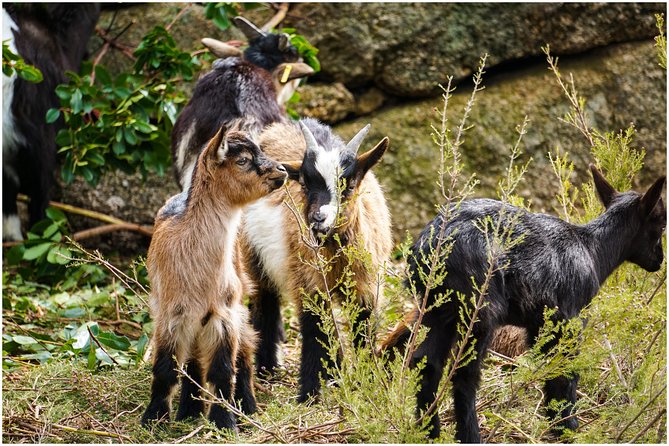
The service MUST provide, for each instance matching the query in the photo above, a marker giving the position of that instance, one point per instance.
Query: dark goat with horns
(557, 265)
(252, 86)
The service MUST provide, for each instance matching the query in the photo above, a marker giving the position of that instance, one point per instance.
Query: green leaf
(102, 75)
(142, 342)
(52, 115)
(36, 251)
(30, 73)
(63, 92)
(92, 360)
(110, 339)
(24, 340)
(15, 254)
(73, 313)
(58, 256)
(76, 101)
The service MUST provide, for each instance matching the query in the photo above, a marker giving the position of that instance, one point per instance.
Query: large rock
(622, 84)
(407, 49)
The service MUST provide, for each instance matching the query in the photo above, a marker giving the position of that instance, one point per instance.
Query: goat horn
(221, 49)
(355, 142)
(312, 145)
(249, 29)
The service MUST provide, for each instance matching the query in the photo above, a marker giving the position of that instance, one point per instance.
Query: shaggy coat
(53, 38)
(252, 86)
(558, 265)
(198, 282)
(278, 256)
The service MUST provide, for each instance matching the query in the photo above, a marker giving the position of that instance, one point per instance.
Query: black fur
(53, 38)
(244, 384)
(221, 373)
(189, 405)
(233, 89)
(558, 265)
(165, 377)
(312, 356)
(264, 52)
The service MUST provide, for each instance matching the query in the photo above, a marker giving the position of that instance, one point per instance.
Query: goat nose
(319, 217)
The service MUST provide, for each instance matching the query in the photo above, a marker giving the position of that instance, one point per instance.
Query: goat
(198, 281)
(253, 86)
(53, 38)
(278, 257)
(558, 265)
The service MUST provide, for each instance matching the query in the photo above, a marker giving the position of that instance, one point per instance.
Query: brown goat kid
(198, 281)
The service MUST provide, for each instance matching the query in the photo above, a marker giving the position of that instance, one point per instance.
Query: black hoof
(156, 412)
(222, 418)
(189, 409)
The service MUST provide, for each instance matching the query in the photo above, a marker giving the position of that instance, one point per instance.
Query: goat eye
(242, 161)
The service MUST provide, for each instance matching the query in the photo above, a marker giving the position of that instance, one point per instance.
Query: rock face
(384, 61)
(622, 84)
(407, 49)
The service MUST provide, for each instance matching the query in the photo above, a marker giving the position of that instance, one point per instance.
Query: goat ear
(215, 142)
(652, 196)
(289, 71)
(249, 29)
(293, 169)
(221, 49)
(369, 159)
(605, 191)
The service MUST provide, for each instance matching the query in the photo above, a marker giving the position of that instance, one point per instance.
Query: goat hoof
(189, 410)
(570, 423)
(222, 418)
(156, 412)
(249, 406)
(307, 398)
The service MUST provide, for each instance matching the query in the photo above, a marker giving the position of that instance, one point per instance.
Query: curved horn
(284, 41)
(355, 142)
(249, 29)
(221, 49)
(308, 138)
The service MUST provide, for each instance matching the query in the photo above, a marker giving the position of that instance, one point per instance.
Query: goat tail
(396, 341)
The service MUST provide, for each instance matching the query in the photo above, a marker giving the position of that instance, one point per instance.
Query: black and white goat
(252, 85)
(281, 263)
(53, 38)
(558, 265)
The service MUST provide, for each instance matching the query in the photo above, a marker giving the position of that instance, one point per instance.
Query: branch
(144, 230)
(125, 49)
(278, 17)
(178, 16)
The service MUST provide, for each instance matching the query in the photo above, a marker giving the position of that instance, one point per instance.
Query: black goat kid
(557, 265)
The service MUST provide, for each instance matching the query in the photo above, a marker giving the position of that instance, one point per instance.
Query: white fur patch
(330, 212)
(327, 164)
(285, 91)
(229, 273)
(10, 137)
(263, 225)
(185, 160)
(11, 228)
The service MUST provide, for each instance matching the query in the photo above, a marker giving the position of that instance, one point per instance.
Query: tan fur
(509, 340)
(194, 264)
(368, 228)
